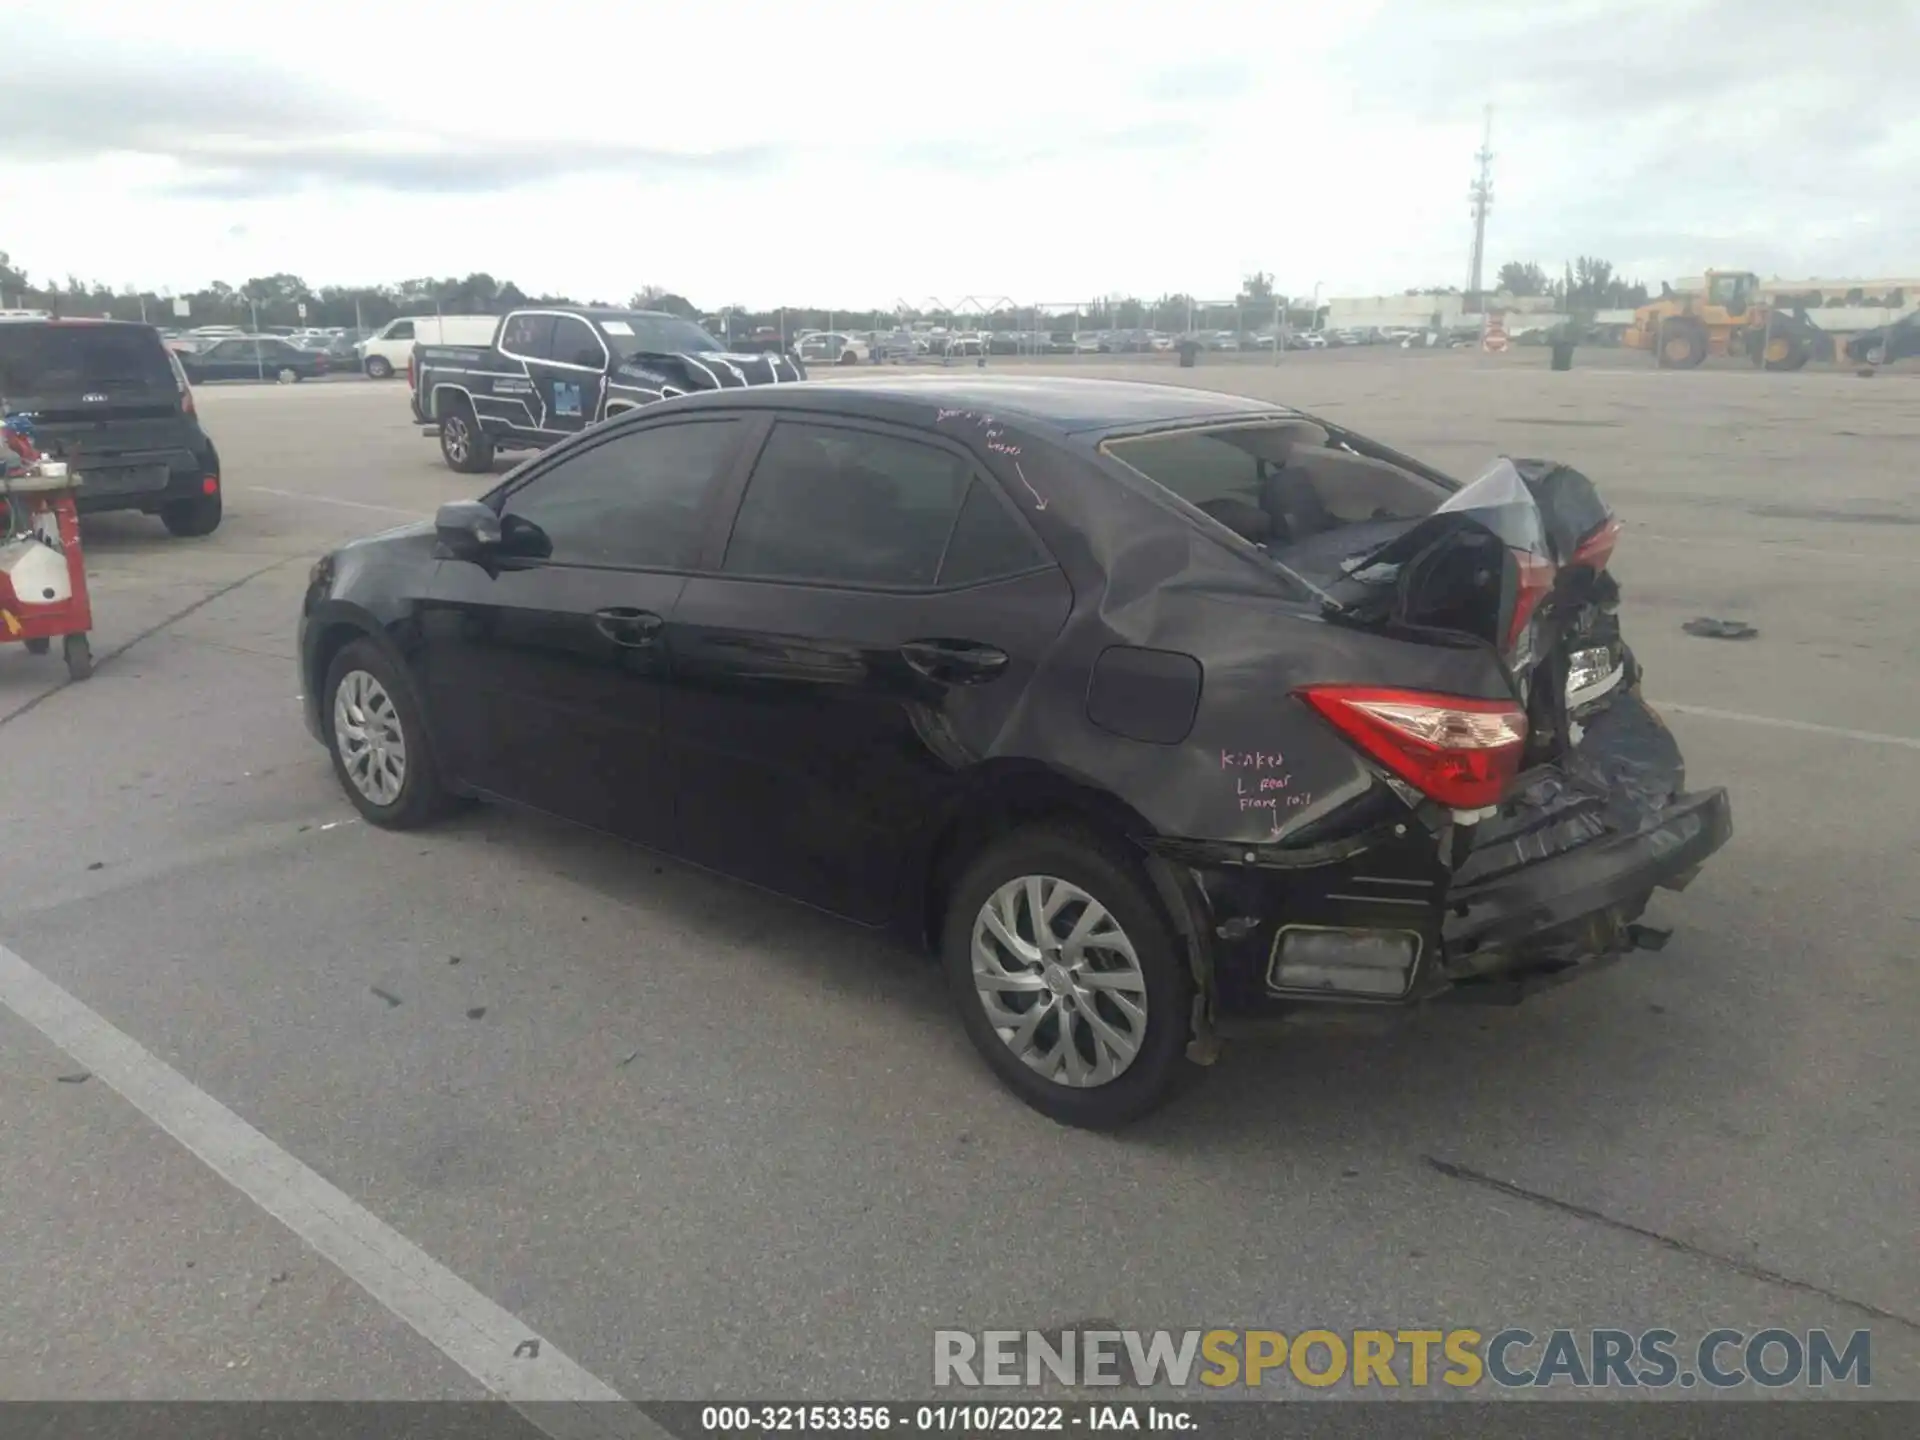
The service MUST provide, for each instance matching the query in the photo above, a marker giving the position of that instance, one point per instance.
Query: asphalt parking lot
(703, 1144)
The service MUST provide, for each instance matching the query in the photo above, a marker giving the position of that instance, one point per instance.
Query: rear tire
(467, 449)
(378, 367)
(1121, 1002)
(78, 653)
(288, 375)
(847, 357)
(187, 518)
(374, 727)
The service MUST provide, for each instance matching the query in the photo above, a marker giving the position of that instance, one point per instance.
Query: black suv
(109, 399)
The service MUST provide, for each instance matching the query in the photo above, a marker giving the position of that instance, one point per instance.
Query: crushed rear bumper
(1549, 888)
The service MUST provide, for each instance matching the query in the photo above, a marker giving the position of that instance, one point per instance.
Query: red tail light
(186, 401)
(1536, 583)
(1460, 752)
(1597, 549)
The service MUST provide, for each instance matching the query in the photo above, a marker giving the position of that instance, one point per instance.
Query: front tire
(465, 447)
(1683, 346)
(188, 518)
(377, 736)
(1070, 981)
(378, 367)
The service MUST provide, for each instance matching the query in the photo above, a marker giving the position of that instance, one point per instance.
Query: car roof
(599, 312)
(1072, 405)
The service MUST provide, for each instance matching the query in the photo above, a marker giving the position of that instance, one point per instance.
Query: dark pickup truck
(553, 371)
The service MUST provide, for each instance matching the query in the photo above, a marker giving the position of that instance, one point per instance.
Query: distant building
(1432, 310)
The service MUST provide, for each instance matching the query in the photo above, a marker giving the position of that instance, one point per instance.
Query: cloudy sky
(840, 152)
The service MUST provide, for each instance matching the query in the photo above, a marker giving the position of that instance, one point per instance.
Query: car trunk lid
(1517, 561)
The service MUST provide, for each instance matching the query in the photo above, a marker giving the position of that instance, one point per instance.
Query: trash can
(1563, 354)
(1189, 352)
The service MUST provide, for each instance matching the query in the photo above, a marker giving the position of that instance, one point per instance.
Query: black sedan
(253, 357)
(1151, 711)
(1887, 343)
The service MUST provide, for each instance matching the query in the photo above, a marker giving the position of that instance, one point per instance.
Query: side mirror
(466, 530)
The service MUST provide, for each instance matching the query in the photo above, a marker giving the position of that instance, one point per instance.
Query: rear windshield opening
(1280, 484)
(51, 360)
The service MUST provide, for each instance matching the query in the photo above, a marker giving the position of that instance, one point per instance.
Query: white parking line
(1871, 737)
(500, 1351)
(333, 500)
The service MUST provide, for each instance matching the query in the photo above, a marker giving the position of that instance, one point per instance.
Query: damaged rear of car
(1446, 784)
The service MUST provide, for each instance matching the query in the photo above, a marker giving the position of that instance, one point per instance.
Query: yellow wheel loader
(1728, 317)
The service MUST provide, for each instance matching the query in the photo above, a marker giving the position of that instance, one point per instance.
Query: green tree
(1256, 291)
(1519, 278)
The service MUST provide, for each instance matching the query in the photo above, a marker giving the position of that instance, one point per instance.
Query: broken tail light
(1596, 551)
(1457, 751)
(1535, 584)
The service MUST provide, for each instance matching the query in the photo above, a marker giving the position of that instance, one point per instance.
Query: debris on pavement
(1708, 628)
(629, 1060)
(79, 1077)
(385, 995)
(476, 1012)
(98, 865)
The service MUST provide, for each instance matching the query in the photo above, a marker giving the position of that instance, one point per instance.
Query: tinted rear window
(57, 359)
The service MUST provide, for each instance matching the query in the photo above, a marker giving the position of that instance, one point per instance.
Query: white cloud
(853, 153)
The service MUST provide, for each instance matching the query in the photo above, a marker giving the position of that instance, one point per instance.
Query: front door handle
(625, 626)
(954, 662)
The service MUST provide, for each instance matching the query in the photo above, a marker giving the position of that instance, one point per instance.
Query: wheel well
(460, 398)
(332, 640)
(1016, 799)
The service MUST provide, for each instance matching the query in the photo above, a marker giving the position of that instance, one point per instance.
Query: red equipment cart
(43, 577)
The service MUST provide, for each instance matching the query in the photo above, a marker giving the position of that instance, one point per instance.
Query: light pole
(1316, 307)
(259, 360)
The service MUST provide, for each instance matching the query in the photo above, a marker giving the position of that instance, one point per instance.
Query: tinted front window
(632, 500)
(54, 359)
(403, 330)
(849, 506)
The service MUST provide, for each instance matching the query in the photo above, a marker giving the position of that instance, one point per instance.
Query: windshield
(631, 335)
(57, 359)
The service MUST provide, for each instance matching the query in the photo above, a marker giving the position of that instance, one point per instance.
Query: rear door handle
(954, 662)
(625, 626)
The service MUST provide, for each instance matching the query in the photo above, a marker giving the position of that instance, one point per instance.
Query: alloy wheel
(1059, 981)
(369, 738)
(457, 439)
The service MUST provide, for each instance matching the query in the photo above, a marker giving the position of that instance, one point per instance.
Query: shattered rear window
(1273, 483)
